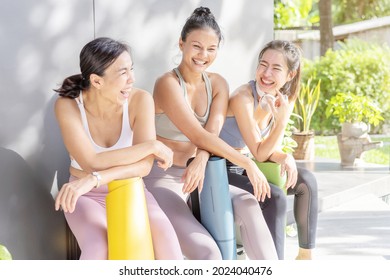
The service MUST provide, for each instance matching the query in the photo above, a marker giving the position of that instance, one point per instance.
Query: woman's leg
(275, 213)
(89, 225)
(165, 242)
(305, 211)
(273, 209)
(256, 237)
(195, 241)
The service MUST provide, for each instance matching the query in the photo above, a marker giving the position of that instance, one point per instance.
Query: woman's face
(119, 78)
(272, 72)
(200, 49)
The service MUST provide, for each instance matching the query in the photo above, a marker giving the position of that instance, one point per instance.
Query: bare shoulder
(218, 83)
(217, 79)
(64, 104)
(168, 79)
(139, 97)
(243, 92)
(166, 90)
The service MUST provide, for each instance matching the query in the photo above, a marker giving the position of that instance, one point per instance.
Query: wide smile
(199, 62)
(266, 82)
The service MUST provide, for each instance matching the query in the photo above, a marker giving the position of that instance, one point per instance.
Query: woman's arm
(169, 98)
(79, 145)
(193, 176)
(241, 104)
(142, 121)
(70, 192)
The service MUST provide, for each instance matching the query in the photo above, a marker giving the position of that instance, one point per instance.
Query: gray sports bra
(230, 132)
(164, 126)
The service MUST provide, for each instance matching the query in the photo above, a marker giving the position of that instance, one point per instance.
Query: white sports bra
(125, 139)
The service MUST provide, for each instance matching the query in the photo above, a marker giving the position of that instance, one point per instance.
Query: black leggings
(274, 208)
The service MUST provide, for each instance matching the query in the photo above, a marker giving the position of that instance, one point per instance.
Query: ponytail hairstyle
(201, 18)
(292, 55)
(95, 58)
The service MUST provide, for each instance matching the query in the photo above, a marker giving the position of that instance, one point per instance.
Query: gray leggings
(195, 241)
(274, 209)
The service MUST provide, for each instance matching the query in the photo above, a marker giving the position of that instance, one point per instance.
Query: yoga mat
(128, 229)
(271, 171)
(215, 207)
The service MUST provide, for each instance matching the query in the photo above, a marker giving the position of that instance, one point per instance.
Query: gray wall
(40, 42)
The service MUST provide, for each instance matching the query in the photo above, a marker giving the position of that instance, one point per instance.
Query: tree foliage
(305, 13)
(348, 11)
(295, 13)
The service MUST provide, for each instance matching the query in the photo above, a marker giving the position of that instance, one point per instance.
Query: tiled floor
(354, 216)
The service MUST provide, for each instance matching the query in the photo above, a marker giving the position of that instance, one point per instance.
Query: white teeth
(267, 82)
(199, 62)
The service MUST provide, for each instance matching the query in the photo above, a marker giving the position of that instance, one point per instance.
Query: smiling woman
(190, 105)
(108, 129)
(258, 130)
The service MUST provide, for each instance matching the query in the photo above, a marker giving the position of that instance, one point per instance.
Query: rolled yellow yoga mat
(128, 228)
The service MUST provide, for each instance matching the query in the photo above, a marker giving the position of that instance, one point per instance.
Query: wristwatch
(98, 178)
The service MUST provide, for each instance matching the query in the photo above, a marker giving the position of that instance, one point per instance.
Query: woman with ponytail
(108, 129)
(256, 120)
(190, 106)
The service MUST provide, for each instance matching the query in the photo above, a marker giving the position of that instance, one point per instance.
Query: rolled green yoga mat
(271, 171)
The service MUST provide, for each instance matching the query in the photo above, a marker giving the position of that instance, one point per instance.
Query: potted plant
(355, 113)
(304, 108)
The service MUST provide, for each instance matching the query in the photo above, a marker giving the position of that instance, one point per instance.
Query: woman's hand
(281, 109)
(193, 176)
(163, 154)
(70, 192)
(261, 188)
(287, 164)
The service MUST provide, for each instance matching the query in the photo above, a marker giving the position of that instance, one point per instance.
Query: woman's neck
(190, 77)
(97, 106)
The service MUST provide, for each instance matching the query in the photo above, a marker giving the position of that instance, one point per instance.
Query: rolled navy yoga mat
(128, 228)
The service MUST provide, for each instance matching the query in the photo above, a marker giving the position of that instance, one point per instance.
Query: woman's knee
(207, 251)
(244, 201)
(307, 178)
(277, 201)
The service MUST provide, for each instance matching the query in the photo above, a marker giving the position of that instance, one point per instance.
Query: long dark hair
(293, 57)
(95, 58)
(201, 18)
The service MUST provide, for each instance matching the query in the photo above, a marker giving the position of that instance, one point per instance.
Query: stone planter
(353, 141)
(356, 130)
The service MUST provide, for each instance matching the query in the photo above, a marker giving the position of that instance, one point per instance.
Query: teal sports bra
(164, 126)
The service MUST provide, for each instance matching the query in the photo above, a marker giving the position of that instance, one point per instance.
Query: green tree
(295, 13)
(348, 11)
(306, 13)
